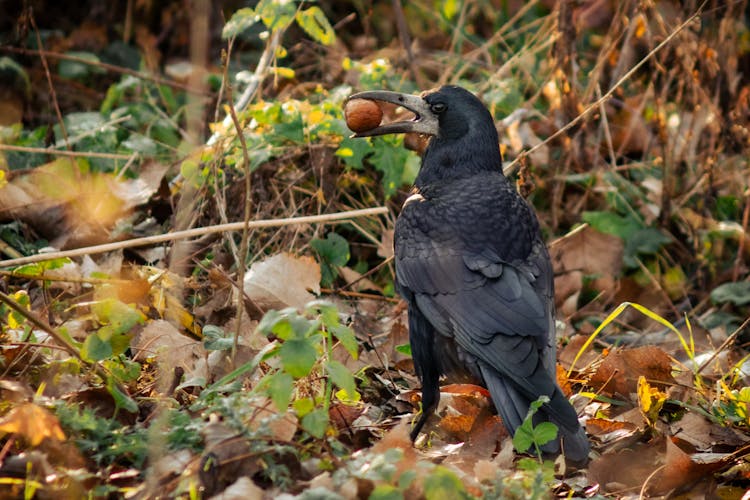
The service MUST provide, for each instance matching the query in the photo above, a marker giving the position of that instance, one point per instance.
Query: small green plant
(304, 359)
(528, 434)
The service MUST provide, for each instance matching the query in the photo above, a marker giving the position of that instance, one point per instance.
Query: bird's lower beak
(424, 121)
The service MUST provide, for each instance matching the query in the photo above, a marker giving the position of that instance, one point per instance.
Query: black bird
(474, 269)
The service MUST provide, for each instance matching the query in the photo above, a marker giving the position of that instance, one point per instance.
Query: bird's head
(462, 129)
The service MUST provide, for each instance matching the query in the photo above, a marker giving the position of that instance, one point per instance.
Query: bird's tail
(514, 406)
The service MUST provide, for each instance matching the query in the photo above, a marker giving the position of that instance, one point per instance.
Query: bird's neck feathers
(449, 158)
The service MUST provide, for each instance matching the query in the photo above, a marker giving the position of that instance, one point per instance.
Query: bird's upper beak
(424, 121)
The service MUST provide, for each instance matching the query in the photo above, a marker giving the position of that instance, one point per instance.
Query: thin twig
(596, 104)
(39, 323)
(53, 93)
(605, 126)
(731, 338)
(242, 257)
(58, 152)
(190, 233)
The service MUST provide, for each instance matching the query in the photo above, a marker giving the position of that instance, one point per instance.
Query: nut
(362, 115)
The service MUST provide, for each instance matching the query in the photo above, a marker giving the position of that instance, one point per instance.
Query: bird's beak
(424, 121)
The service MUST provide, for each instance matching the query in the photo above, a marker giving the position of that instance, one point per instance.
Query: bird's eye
(438, 107)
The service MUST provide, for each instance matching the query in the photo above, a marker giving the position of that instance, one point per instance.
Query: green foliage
(734, 293)
(442, 484)
(305, 355)
(334, 253)
(397, 165)
(531, 480)
(639, 240)
(75, 70)
(528, 434)
(277, 15)
(108, 442)
(215, 339)
(113, 337)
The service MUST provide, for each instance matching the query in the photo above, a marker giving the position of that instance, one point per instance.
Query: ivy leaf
(611, 223)
(333, 252)
(735, 293)
(391, 158)
(214, 339)
(352, 151)
(95, 349)
(646, 241)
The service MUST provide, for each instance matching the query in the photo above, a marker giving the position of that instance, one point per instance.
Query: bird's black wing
(470, 257)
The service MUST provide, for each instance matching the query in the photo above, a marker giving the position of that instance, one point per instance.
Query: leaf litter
(318, 403)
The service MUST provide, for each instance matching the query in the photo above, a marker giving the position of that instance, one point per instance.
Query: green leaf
(333, 252)
(646, 241)
(316, 25)
(122, 400)
(215, 339)
(303, 406)
(298, 357)
(95, 349)
(404, 349)
(276, 14)
(544, 432)
(391, 158)
(523, 437)
(316, 422)
(611, 223)
(280, 387)
(386, 492)
(347, 338)
(353, 151)
(443, 484)
(450, 8)
(292, 128)
(118, 315)
(75, 70)
(735, 293)
(342, 377)
(239, 22)
(528, 434)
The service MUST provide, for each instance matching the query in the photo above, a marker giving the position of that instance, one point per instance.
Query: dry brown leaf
(680, 470)
(584, 251)
(283, 280)
(625, 471)
(242, 489)
(603, 427)
(33, 423)
(619, 372)
(570, 351)
(161, 340)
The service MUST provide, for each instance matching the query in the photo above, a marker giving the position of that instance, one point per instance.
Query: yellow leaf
(316, 116)
(650, 399)
(33, 423)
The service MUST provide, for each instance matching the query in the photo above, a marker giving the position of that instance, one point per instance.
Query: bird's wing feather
(487, 287)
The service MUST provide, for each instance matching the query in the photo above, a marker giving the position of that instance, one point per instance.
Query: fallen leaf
(283, 280)
(584, 252)
(619, 372)
(33, 423)
(570, 351)
(680, 470)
